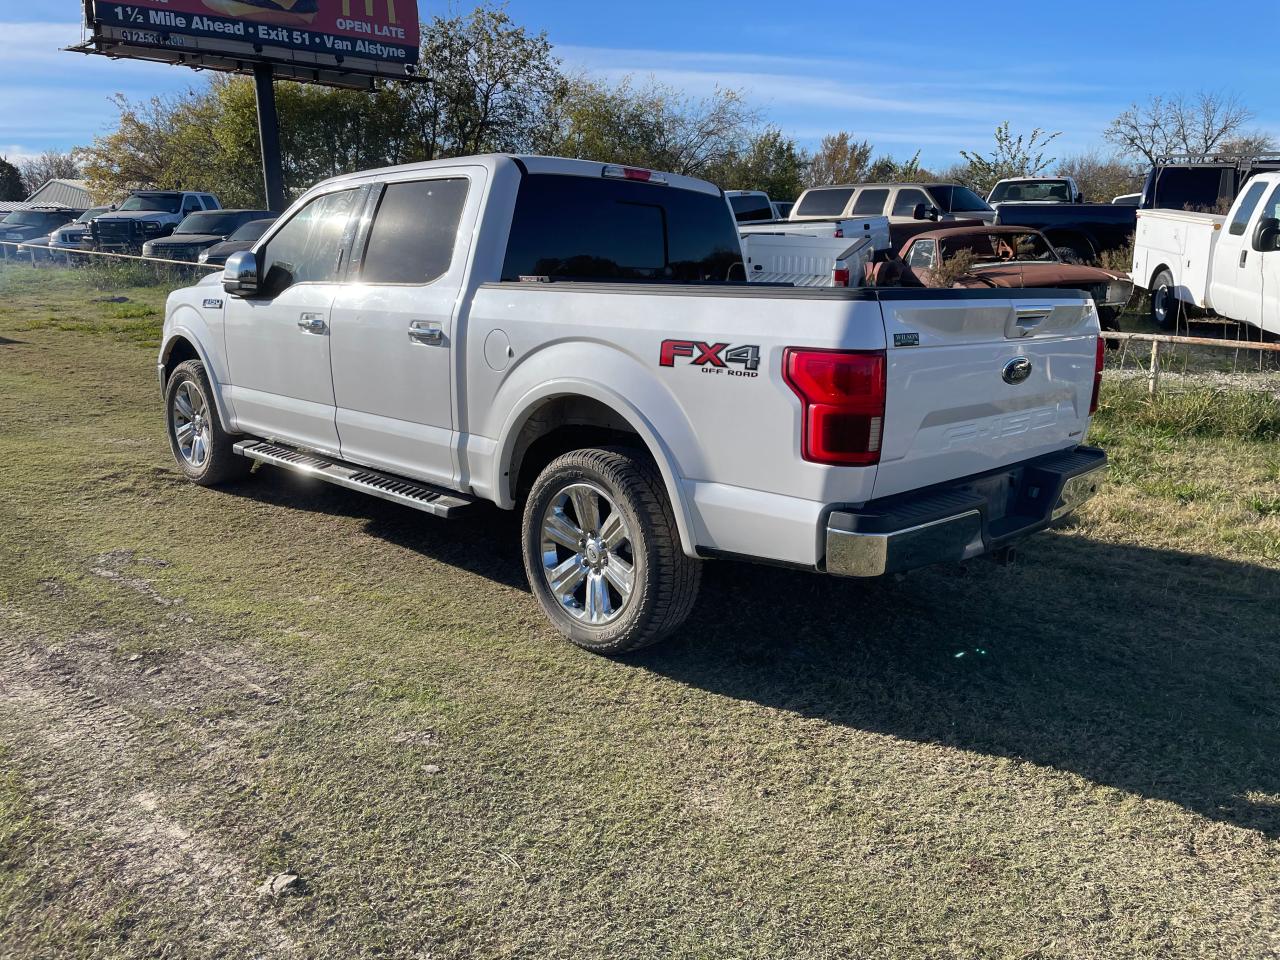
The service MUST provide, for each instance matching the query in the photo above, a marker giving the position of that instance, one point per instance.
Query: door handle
(313, 323)
(1244, 255)
(1026, 319)
(427, 332)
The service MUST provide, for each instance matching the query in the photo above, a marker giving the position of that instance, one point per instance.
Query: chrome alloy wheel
(587, 554)
(192, 426)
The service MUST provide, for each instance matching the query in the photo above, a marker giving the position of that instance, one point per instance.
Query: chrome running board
(409, 493)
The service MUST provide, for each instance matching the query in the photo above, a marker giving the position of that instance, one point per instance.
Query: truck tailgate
(974, 384)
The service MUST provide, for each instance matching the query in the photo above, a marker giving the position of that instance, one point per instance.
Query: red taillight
(840, 275)
(839, 233)
(842, 393)
(1097, 376)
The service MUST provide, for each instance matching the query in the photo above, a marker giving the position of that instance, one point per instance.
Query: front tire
(202, 449)
(602, 551)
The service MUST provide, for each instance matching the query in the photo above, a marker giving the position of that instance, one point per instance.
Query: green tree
(770, 161)
(11, 187)
(1012, 156)
(656, 126)
(839, 159)
(491, 86)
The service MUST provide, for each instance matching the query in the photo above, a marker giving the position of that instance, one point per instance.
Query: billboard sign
(324, 40)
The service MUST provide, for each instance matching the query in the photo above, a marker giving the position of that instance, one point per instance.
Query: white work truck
(558, 336)
(1203, 261)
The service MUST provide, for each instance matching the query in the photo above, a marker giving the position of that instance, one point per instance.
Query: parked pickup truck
(1079, 231)
(558, 336)
(146, 215)
(1035, 190)
(1230, 265)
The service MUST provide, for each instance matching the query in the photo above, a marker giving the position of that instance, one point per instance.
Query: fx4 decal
(719, 358)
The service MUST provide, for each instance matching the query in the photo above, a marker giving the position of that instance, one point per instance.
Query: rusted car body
(1014, 257)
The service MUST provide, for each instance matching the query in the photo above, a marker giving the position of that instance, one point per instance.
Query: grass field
(1073, 757)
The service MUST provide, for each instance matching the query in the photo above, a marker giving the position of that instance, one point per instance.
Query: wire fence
(42, 255)
(1166, 361)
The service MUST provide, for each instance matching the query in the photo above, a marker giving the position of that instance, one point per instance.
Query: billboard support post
(269, 135)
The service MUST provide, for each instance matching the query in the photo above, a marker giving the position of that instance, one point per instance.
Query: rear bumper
(961, 520)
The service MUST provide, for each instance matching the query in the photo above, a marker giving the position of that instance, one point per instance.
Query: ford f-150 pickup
(559, 336)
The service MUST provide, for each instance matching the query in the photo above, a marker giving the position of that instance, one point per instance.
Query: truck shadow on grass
(1151, 671)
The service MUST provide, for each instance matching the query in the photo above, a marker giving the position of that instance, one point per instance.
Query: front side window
(1243, 212)
(582, 228)
(413, 232)
(950, 198)
(870, 203)
(827, 202)
(904, 205)
(307, 249)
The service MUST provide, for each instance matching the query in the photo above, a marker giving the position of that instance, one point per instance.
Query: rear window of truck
(579, 228)
(750, 207)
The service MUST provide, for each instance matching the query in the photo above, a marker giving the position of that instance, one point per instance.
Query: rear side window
(582, 228)
(825, 203)
(870, 203)
(1246, 208)
(414, 230)
(904, 204)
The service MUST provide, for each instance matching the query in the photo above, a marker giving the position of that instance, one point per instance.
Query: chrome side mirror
(240, 275)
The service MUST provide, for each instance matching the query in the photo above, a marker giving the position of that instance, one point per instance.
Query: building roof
(62, 193)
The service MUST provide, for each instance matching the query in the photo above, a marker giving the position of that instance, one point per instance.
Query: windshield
(29, 218)
(956, 199)
(252, 231)
(160, 202)
(90, 214)
(1020, 191)
(214, 224)
(751, 206)
(988, 248)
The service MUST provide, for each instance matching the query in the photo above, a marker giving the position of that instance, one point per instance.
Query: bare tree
(50, 165)
(1100, 177)
(1199, 125)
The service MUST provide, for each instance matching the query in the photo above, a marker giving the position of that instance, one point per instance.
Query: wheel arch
(565, 415)
(182, 343)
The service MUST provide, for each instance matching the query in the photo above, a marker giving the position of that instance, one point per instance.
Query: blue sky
(937, 76)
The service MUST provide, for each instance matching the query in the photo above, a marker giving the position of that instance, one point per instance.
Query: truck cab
(1035, 190)
(147, 215)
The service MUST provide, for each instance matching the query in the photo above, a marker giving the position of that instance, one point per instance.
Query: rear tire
(602, 551)
(202, 449)
(1166, 308)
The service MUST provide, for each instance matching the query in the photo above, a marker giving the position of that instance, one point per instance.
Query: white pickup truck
(1230, 265)
(558, 336)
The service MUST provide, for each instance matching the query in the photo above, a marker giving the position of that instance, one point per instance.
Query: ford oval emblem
(1017, 370)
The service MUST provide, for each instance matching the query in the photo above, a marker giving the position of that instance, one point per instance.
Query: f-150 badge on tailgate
(712, 357)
